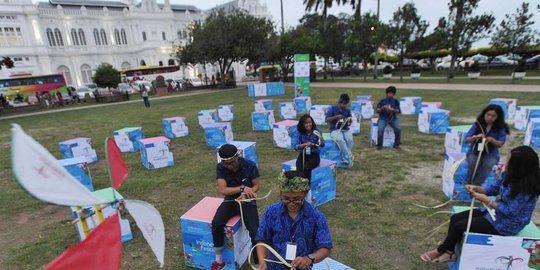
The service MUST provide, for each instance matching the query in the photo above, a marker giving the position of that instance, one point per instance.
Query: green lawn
(373, 222)
(426, 79)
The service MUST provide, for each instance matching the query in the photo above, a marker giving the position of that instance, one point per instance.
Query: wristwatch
(242, 188)
(312, 258)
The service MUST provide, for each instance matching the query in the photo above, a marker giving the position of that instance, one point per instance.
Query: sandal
(426, 258)
(451, 257)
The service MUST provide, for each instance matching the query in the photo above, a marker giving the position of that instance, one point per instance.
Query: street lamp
(376, 49)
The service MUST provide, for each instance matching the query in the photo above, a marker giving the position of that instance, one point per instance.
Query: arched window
(124, 37)
(144, 36)
(103, 37)
(75, 37)
(143, 63)
(82, 38)
(125, 65)
(67, 74)
(58, 36)
(179, 34)
(185, 34)
(160, 63)
(117, 37)
(96, 37)
(86, 72)
(50, 37)
(171, 62)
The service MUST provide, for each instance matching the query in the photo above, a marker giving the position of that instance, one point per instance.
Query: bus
(28, 85)
(149, 73)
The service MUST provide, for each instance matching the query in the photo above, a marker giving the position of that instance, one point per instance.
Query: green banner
(301, 57)
(301, 75)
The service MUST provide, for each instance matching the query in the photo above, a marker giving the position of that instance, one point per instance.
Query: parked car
(482, 60)
(92, 86)
(501, 61)
(138, 84)
(533, 60)
(122, 88)
(66, 98)
(443, 65)
(423, 64)
(104, 92)
(83, 91)
(382, 65)
(407, 63)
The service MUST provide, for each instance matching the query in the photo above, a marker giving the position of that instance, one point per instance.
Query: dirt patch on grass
(427, 174)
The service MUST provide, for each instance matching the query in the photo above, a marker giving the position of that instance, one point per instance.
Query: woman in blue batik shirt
(518, 188)
(307, 142)
(490, 125)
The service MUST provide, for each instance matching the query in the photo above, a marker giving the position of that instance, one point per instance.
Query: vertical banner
(301, 75)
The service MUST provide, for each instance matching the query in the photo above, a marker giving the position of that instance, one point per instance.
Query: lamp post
(377, 49)
(282, 22)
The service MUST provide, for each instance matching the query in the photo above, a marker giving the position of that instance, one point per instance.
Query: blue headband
(344, 101)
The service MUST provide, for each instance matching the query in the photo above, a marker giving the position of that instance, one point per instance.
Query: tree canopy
(106, 76)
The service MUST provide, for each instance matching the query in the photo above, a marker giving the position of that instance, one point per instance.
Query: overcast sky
(429, 10)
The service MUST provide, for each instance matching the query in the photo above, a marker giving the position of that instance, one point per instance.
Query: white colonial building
(74, 36)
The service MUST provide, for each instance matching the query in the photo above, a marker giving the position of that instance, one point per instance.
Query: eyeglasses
(293, 200)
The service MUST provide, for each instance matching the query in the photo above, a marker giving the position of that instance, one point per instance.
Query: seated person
(307, 142)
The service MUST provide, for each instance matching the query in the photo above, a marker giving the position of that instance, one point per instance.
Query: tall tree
(406, 27)
(106, 76)
(515, 32)
(464, 28)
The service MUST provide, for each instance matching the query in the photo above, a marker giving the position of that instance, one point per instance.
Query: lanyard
(294, 229)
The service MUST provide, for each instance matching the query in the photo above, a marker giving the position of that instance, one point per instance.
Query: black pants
(146, 102)
(226, 211)
(311, 162)
(458, 226)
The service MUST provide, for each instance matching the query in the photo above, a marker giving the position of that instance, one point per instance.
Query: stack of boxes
(207, 117)
(78, 147)
(127, 139)
(218, 134)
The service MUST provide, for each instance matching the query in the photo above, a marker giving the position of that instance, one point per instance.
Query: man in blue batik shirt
(340, 119)
(388, 108)
(295, 225)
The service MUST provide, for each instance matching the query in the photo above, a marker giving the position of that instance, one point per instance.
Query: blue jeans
(484, 168)
(394, 123)
(345, 142)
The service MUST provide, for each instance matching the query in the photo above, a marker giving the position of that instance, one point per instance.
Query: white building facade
(73, 37)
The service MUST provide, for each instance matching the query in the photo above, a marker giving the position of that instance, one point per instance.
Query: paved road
(191, 93)
(434, 86)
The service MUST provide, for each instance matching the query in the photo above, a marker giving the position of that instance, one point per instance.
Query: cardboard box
(196, 226)
(432, 104)
(245, 149)
(174, 127)
(323, 181)
(367, 109)
(266, 89)
(283, 132)
(509, 106)
(532, 134)
(109, 194)
(287, 110)
(155, 152)
(454, 140)
(218, 134)
(78, 168)
(335, 265)
(207, 117)
(433, 121)
(363, 97)
(127, 138)
(78, 147)
(355, 125)
(263, 120)
(262, 105)
(331, 151)
(389, 138)
(226, 113)
(303, 104)
(410, 105)
(524, 114)
(275, 88)
(318, 113)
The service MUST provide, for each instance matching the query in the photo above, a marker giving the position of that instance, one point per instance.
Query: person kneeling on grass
(296, 230)
(518, 188)
(340, 119)
(307, 142)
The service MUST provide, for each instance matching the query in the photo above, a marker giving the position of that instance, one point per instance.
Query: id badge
(308, 150)
(480, 146)
(291, 251)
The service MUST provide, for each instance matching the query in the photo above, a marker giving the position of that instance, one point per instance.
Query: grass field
(425, 79)
(373, 222)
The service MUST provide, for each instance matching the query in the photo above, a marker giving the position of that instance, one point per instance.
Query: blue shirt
(248, 171)
(333, 111)
(385, 114)
(301, 138)
(309, 231)
(512, 214)
(497, 134)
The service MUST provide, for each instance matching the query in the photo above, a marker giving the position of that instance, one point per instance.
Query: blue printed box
(410, 105)
(283, 132)
(275, 89)
(532, 134)
(218, 134)
(108, 210)
(174, 127)
(303, 104)
(433, 121)
(330, 264)
(331, 151)
(323, 181)
(454, 140)
(287, 110)
(155, 152)
(78, 168)
(207, 117)
(355, 125)
(389, 137)
(509, 106)
(524, 114)
(127, 138)
(456, 176)
(263, 105)
(78, 147)
(245, 149)
(196, 226)
(363, 97)
(257, 90)
(318, 113)
(263, 120)
(226, 113)
(366, 108)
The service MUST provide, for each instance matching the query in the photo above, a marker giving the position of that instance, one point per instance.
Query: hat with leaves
(293, 181)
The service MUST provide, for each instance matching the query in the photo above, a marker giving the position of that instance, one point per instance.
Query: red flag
(118, 170)
(102, 249)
